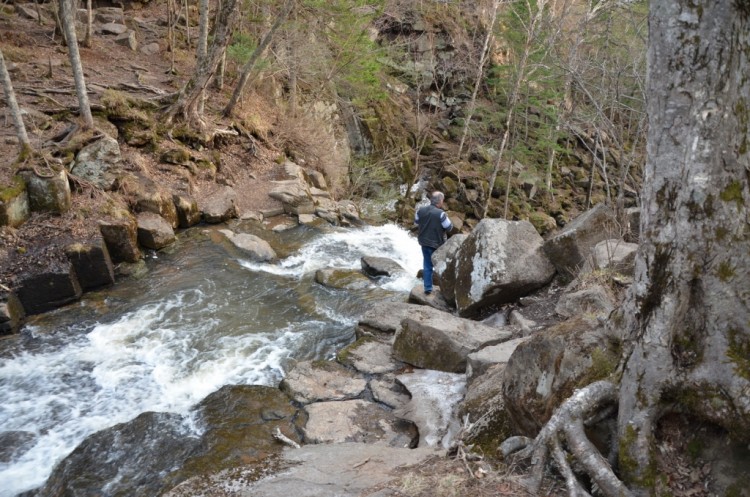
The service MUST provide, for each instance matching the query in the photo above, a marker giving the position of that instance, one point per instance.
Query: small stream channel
(201, 318)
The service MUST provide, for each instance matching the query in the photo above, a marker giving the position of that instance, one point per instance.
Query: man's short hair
(436, 198)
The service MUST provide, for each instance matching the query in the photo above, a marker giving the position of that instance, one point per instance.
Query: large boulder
(444, 269)
(92, 264)
(499, 262)
(14, 203)
(154, 231)
(342, 279)
(121, 238)
(369, 356)
(295, 196)
(594, 300)
(356, 421)
(384, 318)
(569, 249)
(546, 369)
(49, 287)
(254, 247)
(484, 405)
(50, 193)
(433, 339)
(322, 381)
(99, 163)
(219, 206)
(149, 197)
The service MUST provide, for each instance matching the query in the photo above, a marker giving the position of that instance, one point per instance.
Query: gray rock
(252, 246)
(616, 255)
(14, 205)
(99, 162)
(12, 314)
(356, 421)
(318, 180)
(369, 356)
(128, 39)
(154, 231)
(188, 213)
(220, 206)
(150, 197)
(385, 317)
(484, 404)
(152, 48)
(499, 262)
(527, 326)
(48, 288)
(349, 212)
(319, 470)
(444, 270)
(113, 28)
(481, 360)
(546, 369)
(388, 391)
(592, 300)
(569, 249)
(380, 266)
(106, 15)
(342, 278)
(27, 11)
(433, 339)
(434, 399)
(121, 237)
(434, 300)
(92, 264)
(48, 194)
(322, 381)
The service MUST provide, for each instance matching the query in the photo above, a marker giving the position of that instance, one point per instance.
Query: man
(433, 225)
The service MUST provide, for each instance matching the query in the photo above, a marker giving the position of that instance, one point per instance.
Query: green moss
(726, 272)
(739, 353)
(16, 187)
(603, 363)
(629, 466)
(733, 192)
(721, 233)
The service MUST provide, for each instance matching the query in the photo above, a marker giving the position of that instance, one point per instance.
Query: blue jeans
(427, 267)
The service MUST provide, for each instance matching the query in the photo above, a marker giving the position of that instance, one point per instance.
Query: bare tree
(67, 18)
(685, 318)
(15, 111)
(187, 102)
(250, 64)
(202, 49)
(87, 42)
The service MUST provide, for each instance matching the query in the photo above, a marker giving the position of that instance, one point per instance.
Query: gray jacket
(433, 224)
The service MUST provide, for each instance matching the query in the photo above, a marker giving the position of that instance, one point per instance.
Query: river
(201, 318)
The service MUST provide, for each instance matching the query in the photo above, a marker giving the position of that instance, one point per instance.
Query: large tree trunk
(15, 111)
(690, 303)
(187, 103)
(686, 319)
(67, 18)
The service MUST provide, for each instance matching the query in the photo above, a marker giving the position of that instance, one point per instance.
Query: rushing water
(202, 318)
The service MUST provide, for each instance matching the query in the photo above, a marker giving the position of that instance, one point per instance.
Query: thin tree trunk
(15, 111)
(248, 67)
(68, 21)
(88, 41)
(219, 76)
(202, 46)
(480, 76)
(187, 103)
(187, 24)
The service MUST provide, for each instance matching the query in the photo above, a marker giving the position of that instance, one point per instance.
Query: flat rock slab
(356, 421)
(370, 357)
(322, 381)
(435, 299)
(386, 317)
(388, 391)
(340, 470)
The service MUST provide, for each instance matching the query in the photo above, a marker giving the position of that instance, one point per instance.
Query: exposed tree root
(567, 425)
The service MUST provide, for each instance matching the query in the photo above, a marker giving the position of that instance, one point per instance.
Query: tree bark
(202, 49)
(87, 42)
(689, 307)
(15, 111)
(248, 67)
(186, 105)
(67, 19)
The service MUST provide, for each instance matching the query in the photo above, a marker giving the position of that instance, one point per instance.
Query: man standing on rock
(433, 225)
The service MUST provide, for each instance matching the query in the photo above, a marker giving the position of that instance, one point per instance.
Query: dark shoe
(427, 292)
